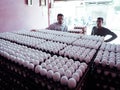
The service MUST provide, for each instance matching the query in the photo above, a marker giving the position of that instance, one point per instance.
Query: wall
(17, 15)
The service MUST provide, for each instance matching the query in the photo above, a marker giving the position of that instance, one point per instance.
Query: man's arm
(114, 36)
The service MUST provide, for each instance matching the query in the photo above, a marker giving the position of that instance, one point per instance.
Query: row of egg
(106, 73)
(22, 39)
(63, 39)
(53, 37)
(77, 52)
(93, 37)
(38, 35)
(110, 47)
(21, 54)
(34, 42)
(88, 43)
(59, 33)
(63, 70)
(52, 46)
(105, 58)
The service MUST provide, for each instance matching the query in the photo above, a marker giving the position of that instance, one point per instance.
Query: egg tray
(30, 79)
(51, 52)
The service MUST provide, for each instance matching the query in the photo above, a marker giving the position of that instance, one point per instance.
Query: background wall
(17, 15)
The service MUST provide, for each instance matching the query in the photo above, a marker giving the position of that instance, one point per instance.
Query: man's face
(60, 19)
(99, 22)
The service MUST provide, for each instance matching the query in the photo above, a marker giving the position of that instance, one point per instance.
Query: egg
(30, 66)
(49, 66)
(53, 63)
(71, 69)
(68, 73)
(118, 65)
(61, 71)
(68, 64)
(76, 76)
(43, 65)
(84, 64)
(72, 83)
(49, 74)
(56, 76)
(55, 69)
(25, 64)
(64, 80)
(38, 68)
(47, 61)
(59, 65)
(65, 67)
(79, 71)
(82, 68)
(97, 61)
(111, 63)
(43, 72)
(104, 62)
(113, 74)
(36, 62)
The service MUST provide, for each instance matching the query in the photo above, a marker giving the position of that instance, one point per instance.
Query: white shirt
(58, 27)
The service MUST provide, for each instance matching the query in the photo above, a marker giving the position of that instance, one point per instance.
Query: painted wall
(17, 15)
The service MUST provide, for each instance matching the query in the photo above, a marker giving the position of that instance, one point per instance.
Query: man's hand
(33, 30)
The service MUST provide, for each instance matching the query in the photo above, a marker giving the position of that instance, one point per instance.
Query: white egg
(111, 63)
(79, 71)
(71, 69)
(72, 83)
(55, 69)
(65, 67)
(56, 76)
(68, 73)
(49, 74)
(43, 72)
(62, 62)
(30, 66)
(53, 63)
(47, 61)
(64, 80)
(104, 62)
(49, 67)
(43, 65)
(25, 64)
(74, 65)
(38, 68)
(59, 65)
(82, 68)
(76, 76)
(97, 61)
(61, 71)
(68, 64)
(84, 64)
(36, 62)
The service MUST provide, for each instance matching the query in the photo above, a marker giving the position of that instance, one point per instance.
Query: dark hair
(100, 18)
(60, 14)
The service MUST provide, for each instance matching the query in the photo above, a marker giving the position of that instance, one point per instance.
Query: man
(59, 25)
(102, 31)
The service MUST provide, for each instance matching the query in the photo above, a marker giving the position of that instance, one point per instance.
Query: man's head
(99, 21)
(60, 18)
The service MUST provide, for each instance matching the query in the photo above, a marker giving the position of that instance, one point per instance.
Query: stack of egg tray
(106, 71)
(14, 76)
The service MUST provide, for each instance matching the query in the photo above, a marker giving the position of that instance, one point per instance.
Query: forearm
(112, 38)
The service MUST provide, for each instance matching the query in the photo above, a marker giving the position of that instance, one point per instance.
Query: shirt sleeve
(114, 36)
